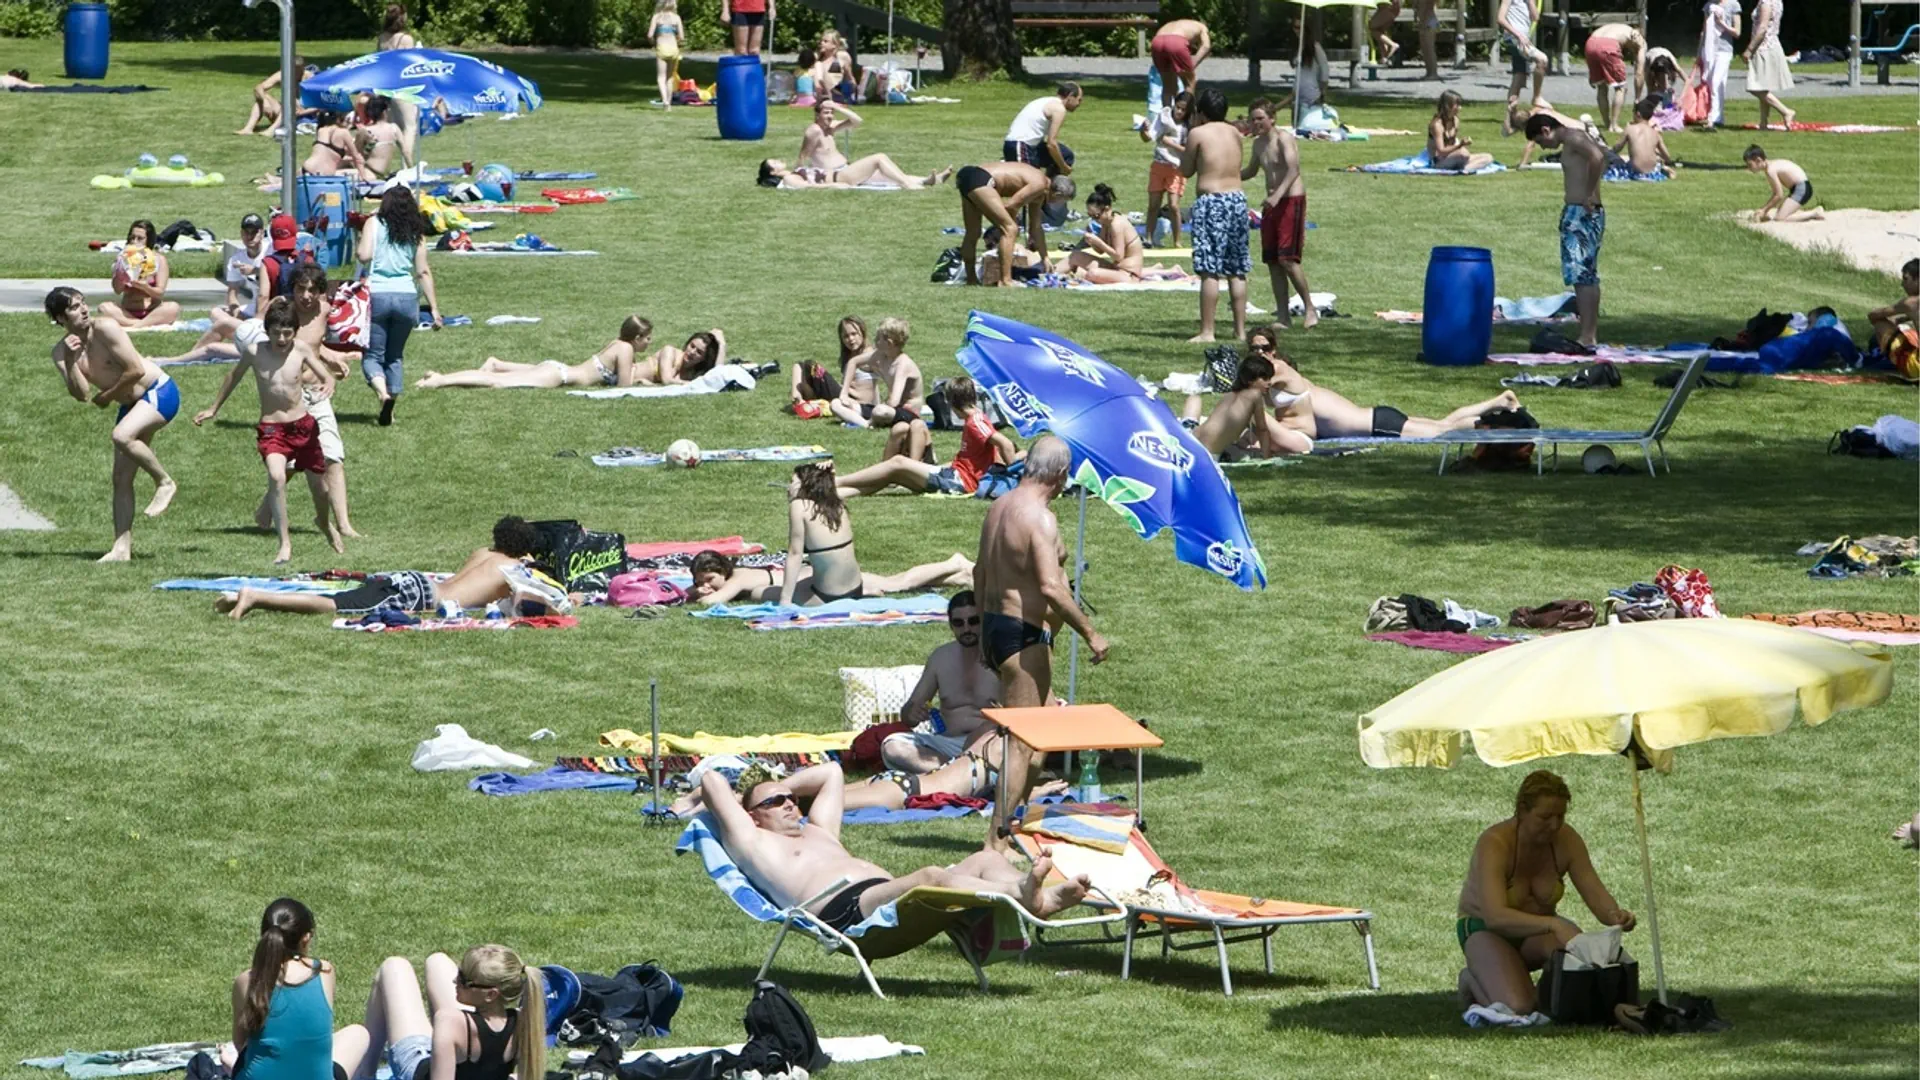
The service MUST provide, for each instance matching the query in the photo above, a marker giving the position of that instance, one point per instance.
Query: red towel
(725, 545)
(941, 799)
(1443, 640)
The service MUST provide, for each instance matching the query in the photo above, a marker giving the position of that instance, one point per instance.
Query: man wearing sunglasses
(955, 676)
(792, 859)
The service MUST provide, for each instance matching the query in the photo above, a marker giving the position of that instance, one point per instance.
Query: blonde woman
(665, 30)
(613, 365)
(489, 1019)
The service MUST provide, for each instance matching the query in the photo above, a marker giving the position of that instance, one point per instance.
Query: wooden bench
(1142, 15)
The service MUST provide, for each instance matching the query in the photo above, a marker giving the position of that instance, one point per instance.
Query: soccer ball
(684, 453)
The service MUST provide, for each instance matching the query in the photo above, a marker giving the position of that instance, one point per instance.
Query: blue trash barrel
(88, 31)
(320, 205)
(740, 98)
(1458, 327)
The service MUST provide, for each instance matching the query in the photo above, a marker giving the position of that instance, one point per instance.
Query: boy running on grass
(1792, 198)
(102, 354)
(310, 308)
(1283, 216)
(287, 433)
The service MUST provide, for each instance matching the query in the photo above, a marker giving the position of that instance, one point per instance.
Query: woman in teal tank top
(283, 1003)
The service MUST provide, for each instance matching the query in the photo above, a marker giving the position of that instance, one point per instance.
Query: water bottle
(1089, 788)
(1162, 231)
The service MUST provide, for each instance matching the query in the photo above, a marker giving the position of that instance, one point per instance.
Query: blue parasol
(421, 77)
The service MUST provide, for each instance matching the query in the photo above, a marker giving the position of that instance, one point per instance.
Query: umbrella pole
(1299, 55)
(1079, 571)
(1646, 878)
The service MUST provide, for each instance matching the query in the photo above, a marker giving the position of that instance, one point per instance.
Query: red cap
(283, 230)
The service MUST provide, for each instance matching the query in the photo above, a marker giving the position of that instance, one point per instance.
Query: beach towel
(723, 377)
(1420, 164)
(553, 779)
(871, 605)
(1527, 310)
(539, 622)
(198, 326)
(1079, 824)
(518, 177)
(98, 1065)
(258, 584)
(659, 549)
(1616, 354)
(633, 455)
(1617, 172)
(1833, 379)
(1833, 129)
(582, 196)
(77, 88)
(509, 208)
(847, 1048)
(844, 619)
(1880, 627)
(1444, 640)
(875, 815)
(698, 838)
(702, 743)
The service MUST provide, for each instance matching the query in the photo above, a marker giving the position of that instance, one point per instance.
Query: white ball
(684, 453)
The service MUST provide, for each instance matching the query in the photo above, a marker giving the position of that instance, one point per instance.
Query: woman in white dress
(1767, 70)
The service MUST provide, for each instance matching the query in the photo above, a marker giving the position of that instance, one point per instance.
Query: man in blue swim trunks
(101, 354)
(1583, 221)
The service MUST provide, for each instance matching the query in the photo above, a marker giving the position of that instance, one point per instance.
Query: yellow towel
(701, 743)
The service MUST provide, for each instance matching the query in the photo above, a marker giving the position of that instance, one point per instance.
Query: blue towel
(872, 605)
(1421, 164)
(874, 815)
(554, 779)
(258, 584)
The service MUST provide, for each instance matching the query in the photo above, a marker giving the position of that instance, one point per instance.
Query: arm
(1053, 585)
(915, 709)
(796, 550)
(1189, 156)
(449, 1042)
(720, 346)
(1206, 46)
(68, 364)
(1660, 148)
(312, 362)
(1058, 117)
(1596, 155)
(1586, 881)
(1036, 234)
(423, 273)
(1289, 171)
(828, 787)
(363, 247)
(240, 1034)
(226, 390)
(849, 119)
(1779, 195)
(897, 384)
(1004, 450)
(1252, 167)
(726, 13)
(162, 274)
(729, 817)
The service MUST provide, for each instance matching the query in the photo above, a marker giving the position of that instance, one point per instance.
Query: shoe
(386, 413)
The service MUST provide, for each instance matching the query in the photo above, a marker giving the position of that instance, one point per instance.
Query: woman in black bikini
(473, 1034)
(333, 148)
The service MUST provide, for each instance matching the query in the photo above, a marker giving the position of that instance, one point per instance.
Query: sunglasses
(460, 979)
(775, 801)
(975, 621)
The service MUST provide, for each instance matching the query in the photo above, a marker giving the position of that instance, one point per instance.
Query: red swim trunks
(298, 442)
(1283, 230)
(1172, 53)
(1606, 66)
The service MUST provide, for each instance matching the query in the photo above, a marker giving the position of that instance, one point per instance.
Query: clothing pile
(1870, 556)
(1410, 612)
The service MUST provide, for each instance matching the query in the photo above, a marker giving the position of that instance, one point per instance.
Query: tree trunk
(980, 39)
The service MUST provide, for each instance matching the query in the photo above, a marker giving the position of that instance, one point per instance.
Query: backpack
(281, 265)
(1600, 376)
(183, 228)
(1857, 442)
(1505, 455)
(639, 998)
(1761, 329)
(779, 1033)
(643, 588)
(574, 552)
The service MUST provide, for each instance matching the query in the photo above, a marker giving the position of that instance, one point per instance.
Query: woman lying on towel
(981, 448)
(1508, 922)
(489, 1019)
(972, 775)
(775, 173)
(1112, 255)
(616, 364)
(820, 566)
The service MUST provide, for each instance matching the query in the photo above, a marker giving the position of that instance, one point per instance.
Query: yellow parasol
(1652, 686)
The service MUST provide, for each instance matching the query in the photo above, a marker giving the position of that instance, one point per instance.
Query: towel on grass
(554, 779)
(582, 196)
(875, 815)
(1421, 164)
(848, 1048)
(1834, 129)
(660, 549)
(724, 377)
(80, 88)
(197, 326)
(702, 744)
(1833, 379)
(161, 1057)
(538, 622)
(844, 619)
(633, 455)
(1617, 354)
(1444, 640)
(929, 603)
(518, 177)
(512, 320)
(257, 584)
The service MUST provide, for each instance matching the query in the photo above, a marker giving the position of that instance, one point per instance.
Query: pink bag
(1696, 101)
(643, 588)
(1689, 591)
(350, 315)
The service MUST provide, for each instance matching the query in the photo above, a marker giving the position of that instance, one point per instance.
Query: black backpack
(574, 554)
(779, 1033)
(1505, 455)
(1857, 442)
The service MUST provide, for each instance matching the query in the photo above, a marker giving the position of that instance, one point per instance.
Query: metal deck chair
(985, 927)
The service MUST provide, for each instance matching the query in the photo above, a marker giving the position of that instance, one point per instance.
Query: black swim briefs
(1388, 421)
(971, 177)
(1002, 637)
(843, 910)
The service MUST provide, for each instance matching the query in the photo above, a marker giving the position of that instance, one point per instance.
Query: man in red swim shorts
(1177, 49)
(1283, 215)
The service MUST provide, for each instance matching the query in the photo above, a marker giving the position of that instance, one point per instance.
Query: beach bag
(1696, 101)
(875, 695)
(1689, 591)
(643, 588)
(1223, 367)
(1579, 994)
(349, 315)
(573, 552)
(1387, 613)
(1505, 455)
(780, 1034)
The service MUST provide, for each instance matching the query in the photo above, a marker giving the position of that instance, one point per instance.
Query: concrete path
(15, 515)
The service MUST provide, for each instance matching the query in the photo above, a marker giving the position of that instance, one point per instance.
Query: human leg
(236, 605)
(1496, 973)
(1586, 302)
(1420, 427)
(441, 993)
(899, 470)
(739, 39)
(534, 376)
(663, 82)
(1581, 233)
(322, 511)
(955, 571)
(1155, 197)
(352, 1049)
(133, 440)
(1237, 295)
(123, 470)
(859, 172)
(1026, 680)
(277, 493)
(1297, 274)
(1209, 304)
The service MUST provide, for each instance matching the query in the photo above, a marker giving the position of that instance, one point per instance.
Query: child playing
(266, 106)
(665, 30)
(1792, 191)
(287, 433)
(981, 448)
(1893, 325)
(1166, 131)
(1644, 147)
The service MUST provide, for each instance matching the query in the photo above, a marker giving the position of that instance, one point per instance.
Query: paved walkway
(15, 515)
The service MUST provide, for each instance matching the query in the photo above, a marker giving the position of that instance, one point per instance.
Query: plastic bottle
(1089, 787)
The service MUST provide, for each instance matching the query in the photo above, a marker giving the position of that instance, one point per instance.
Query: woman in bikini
(488, 1020)
(380, 137)
(775, 173)
(1112, 256)
(1446, 147)
(140, 276)
(335, 150)
(820, 566)
(665, 28)
(1508, 923)
(613, 365)
(394, 35)
(848, 393)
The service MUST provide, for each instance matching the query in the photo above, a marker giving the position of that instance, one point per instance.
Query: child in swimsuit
(665, 32)
(1792, 198)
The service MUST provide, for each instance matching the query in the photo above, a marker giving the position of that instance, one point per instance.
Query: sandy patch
(15, 515)
(1869, 239)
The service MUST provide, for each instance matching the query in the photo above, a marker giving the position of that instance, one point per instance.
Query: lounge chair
(1137, 883)
(986, 927)
(1453, 443)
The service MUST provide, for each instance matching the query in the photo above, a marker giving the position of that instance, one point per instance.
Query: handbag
(1587, 995)
(1696, 101)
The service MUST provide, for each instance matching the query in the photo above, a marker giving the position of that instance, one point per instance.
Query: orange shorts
(1164, 177)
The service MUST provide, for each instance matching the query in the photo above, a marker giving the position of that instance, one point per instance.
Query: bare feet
(162, 497)
(263, 514)
(285, 556)
(1058, 898)
(1281, 324)
(428, 381)
(1051, 787)
(118, 553)
(1507, 400)
(242, 604)
(325, 524)
(1312, 317)
(1201, 339)
(939, 176)
(347, 530)
(225, 602)
(1786, 119)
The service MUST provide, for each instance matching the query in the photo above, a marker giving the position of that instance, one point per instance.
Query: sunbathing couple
(823, 165)
(618, 363)
(1304, 411)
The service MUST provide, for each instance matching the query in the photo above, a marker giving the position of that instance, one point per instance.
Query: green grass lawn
(164, 773)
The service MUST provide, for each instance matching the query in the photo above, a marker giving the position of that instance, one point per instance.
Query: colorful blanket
(875, 815)
(1528, 310)
(1617, 354)
(872, 605)
(660, 549)
(518, 177)
(580, 196)
(1077, 824)
(1420, 164)
(843, 619)
(258, 584)
(538, 622)
(554, 779)
(672, 765)
(633, 455)
(1834, 129)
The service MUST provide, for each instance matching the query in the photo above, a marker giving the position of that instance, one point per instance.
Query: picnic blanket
(808, 620)
(678, 765)
(509, 249)
(702, 743)
(871, 605)
(556, 778)
(1420, 164)
(318, 586)
(1524, 311)
(1617, 354)
(634, 455)
(79, 88)
(876, 815)
(197, 361)
(538, 622)
(1833, 129)
(660, 549)
(1880, 627)
(583, 196)
(1835, 379)
(723, 377)
(518, 177)
(1445, 640)
(1617, 171)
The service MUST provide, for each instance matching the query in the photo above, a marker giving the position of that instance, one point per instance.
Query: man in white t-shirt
(1034, 136)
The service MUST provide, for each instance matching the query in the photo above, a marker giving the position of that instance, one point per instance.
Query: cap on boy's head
(284, 232)
(252, 223)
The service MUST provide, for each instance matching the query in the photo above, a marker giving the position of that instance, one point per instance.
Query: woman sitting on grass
(140, 276)
(283, 1003)
(472, 1034)
(1446, 147)
(851, 395)
(1508, 923)
(613, 365)
(981, 448)
(821, 566)
(1111, 256)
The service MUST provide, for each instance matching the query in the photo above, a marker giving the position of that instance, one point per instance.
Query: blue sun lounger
(1454, 443)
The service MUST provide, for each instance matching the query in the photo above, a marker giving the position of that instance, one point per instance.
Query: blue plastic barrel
(88, 30)
(740, 98)
(1458, 327)
(320, 205)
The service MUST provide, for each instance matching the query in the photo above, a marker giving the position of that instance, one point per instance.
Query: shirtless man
(993, 192)
(817, 146)
(1283, 215)
(1241, 416)
(796, 861)
(898, 411)
(1177, 49)
(1024, 594)
(956, 676)
(287, 433)
(1517, 18)
(1583, 221)
(1792, 197)
(309, 288)
(1034, 136)
(101, 354)
(1644, 147)
(1218, 225)
(1609, 49)
(480, 581)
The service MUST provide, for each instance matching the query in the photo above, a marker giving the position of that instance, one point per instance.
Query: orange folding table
(1047, 729)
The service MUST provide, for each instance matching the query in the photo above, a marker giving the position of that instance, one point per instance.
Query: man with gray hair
(1023, 595)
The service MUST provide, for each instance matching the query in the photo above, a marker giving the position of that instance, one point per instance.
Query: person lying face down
(793, 858)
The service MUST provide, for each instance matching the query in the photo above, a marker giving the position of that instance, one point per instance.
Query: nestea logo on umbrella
(1224, 558)
(1020, 406)
(492, 95)
(1159, 448)
(1074, 364)
(427, 69)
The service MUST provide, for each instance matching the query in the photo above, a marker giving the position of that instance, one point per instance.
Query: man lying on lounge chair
(792, 860)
